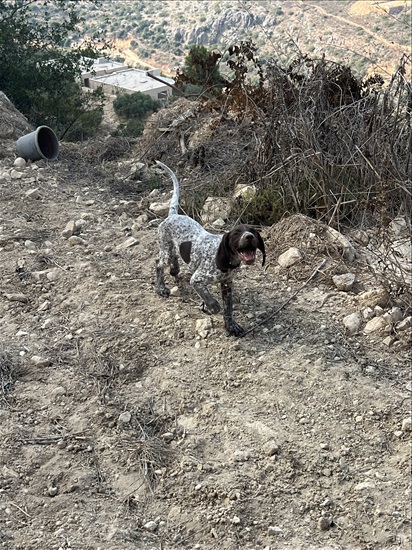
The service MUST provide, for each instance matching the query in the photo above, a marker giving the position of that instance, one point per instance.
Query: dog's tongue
(248, 256)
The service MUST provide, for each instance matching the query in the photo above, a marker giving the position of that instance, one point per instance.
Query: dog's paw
(163, 291)
(234, 329)
(213, 306)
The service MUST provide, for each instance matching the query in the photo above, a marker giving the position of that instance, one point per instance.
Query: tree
(39, 75)
(135, 105)
(201, 68)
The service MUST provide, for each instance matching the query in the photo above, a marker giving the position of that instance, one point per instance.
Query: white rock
(47, 323)
(290, 257)
(203, 327)
(405, 324)
(69, 230)
(131, 241)
(17, 297)
(150, 526)
(74, 240)
(215, 208)
(59, 390)
(125, 417)
(375, 297)
(352, 322)
(175, 291)
(30, 245)
(236, 520)
(407, 424)
(41, 361)
(368, 313)
(344, 282)
(160, 208)
(348, 252)
(219, 223)
(374, 325)
(270, 448)
(19, 162)
(15, 175)
(32, 194)
(244, 191)
(365, 485)
(274, 530)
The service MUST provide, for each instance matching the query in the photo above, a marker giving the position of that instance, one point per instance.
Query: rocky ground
(130, 421)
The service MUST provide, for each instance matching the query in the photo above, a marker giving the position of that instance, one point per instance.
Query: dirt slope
(121, 428)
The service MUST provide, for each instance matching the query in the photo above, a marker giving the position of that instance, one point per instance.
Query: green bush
(135, 105)
(38, 75)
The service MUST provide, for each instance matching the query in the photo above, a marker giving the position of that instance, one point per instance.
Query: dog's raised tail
(174, 203)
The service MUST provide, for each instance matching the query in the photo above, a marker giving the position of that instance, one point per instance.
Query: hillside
(131, 421)
(365, 34)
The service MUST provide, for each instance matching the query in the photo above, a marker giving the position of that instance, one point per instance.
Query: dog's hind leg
(166, 257)
(230, 324)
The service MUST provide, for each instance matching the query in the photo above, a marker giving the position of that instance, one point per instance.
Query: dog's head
(239, 245)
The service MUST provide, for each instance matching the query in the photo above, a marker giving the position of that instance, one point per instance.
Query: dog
(210, 258)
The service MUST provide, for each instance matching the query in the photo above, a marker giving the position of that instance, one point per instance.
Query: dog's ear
(261, 247)
(223, 254)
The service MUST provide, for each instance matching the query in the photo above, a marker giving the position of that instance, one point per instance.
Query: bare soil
(122, 428)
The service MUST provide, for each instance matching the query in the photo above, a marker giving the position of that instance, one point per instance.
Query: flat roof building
(116, 77)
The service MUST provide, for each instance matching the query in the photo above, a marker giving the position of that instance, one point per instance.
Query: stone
(175, 291)
(160, 208)
(203, 327)
(375, 297)
(348, 252)
(290, 257)
(59, 390)
(274, 530)
(52, 491)
(125, 417)
(15, 175)
(41, 361)
(323, 523)
(19, 162)
(74, 240)
(30, 245)
(407, 424)
(389, 341)
(352, 322)
(374, 325)
(69, 230)
(150, 526)
(17, 297)
(365, 486)
(215, 208)
(32, 194)
(270, 448)
(405, 324)
(344, 282)
(131, 241)
(368, 313)
(244, 191)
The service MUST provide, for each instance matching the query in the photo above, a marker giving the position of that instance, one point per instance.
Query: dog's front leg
(230, 324)
(210, 302)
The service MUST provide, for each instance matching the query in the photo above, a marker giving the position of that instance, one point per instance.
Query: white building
(116, 78)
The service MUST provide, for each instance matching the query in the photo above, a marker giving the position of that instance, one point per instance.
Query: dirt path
(377, 37)
(123, 428)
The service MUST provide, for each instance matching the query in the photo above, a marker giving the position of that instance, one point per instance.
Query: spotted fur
(210, 258)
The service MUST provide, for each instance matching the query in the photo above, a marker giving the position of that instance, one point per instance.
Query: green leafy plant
(39, 75)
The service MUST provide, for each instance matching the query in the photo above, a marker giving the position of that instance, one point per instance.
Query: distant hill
(368, 35)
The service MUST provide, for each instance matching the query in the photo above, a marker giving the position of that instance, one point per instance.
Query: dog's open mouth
(247, 255)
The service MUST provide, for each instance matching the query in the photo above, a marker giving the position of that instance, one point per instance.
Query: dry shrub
(311, 137)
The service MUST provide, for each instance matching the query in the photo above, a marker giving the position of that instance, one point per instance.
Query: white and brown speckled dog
(210, 258)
